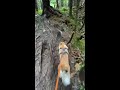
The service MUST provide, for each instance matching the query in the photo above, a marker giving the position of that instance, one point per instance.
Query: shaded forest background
(70, 15)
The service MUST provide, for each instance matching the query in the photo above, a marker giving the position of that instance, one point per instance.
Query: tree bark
(46, 4)
(74, 2)
(70, 8)
(46, 55)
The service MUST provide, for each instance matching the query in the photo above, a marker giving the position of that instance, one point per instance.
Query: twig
(70, 38)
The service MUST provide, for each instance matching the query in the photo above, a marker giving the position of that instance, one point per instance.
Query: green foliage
(72, 21)
(83, 65)
(53, 3)
(66, 2)
(82, 87)
(80, 44)
(64, 10)
(39, 11)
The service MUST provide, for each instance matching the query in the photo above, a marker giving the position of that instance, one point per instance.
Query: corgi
(63, 67)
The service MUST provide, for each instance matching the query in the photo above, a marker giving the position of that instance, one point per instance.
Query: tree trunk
(41, 4)
(77, 5)
(74, 2)
(70, 8)
(57, 4)
(45, 56)
(46, 4)
(62, 3)
(36, 7)
(49, 10)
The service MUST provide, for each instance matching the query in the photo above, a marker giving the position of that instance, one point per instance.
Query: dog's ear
(65, 42)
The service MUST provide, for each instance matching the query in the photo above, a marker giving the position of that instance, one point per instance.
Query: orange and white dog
(63, 67)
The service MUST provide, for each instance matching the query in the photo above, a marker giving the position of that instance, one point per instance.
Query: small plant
(64, 10)
(39, 11)
(80, 44)
(82, 87)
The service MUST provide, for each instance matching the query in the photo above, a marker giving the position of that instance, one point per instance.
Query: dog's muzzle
(63, 50)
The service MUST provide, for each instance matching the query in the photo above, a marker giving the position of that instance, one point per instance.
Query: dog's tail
(65, 76)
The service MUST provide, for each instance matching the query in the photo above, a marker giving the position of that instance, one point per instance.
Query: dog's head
(63, 48)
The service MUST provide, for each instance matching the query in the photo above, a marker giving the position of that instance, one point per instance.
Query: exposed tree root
(50, 11)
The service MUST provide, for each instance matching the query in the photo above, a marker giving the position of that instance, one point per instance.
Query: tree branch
(70, 38)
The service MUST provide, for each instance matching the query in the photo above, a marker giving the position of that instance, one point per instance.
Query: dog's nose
(66, 71)
(63, 49)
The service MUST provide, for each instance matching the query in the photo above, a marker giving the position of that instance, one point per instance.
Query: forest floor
(46, 53)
